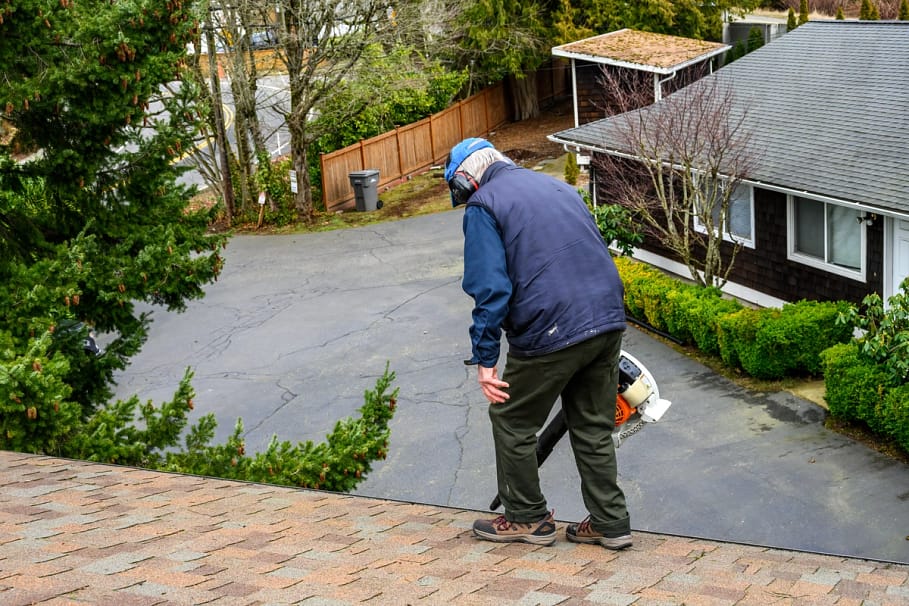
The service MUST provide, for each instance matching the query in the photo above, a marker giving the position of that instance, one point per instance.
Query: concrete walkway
(73, 532)
(298, 327)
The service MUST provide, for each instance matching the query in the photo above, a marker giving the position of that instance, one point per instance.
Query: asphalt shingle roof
(827, 105)
(74, 532)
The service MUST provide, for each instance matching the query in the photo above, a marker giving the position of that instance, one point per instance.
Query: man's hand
(491, 385)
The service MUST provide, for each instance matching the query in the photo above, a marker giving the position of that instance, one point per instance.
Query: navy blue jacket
(536, 266)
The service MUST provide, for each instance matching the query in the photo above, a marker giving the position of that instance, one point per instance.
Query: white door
(900, 255)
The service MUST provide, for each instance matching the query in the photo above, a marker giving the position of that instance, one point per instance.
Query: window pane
(739, 216)
(844, 236)
(809, 228)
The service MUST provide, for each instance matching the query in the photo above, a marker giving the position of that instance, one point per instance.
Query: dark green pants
(586, 377)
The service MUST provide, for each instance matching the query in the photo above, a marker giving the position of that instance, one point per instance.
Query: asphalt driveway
(298, 327)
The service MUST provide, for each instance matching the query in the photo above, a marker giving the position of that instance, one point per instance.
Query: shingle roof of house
(74, 532)
(644, 51)
(827, 105)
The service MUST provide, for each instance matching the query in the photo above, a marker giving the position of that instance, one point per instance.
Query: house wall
(766, 269)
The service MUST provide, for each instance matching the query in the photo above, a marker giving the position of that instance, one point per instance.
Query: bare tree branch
(676, 164)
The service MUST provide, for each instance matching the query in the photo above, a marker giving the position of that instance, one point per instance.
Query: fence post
(322, 176)
(485, 112)
(398, 146)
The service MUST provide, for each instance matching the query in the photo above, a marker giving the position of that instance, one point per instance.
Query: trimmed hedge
(772, 343)
(769, 343)
(858, 390)
(798, 339)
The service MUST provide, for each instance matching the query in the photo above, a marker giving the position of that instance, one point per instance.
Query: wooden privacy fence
(411, 149)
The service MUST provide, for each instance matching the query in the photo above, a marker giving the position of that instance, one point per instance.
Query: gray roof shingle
(828, 105)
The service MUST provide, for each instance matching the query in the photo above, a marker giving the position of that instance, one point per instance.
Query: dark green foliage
(803, 12)
(791, 23)
(895, 413)
(840, 15)
(768, 343)
(868, 11)
(772, 343)
(853, 385)
(904, 11)
(867, 379)
(857, 391)
(702, 318)
(737, 51)
(885, 332)
(804, 338)
(337, 464)
(755, 39)
(616, 225)
(98, 223)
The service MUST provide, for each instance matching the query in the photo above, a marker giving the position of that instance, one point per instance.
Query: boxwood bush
(767, 343)
(772, 343)
(866, 378)
(859, 390)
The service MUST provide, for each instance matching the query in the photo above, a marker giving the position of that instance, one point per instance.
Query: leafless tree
(676, 164)
(323, 47)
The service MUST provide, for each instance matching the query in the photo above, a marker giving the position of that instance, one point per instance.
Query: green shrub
(867, 380)
(885, 338)
(705, 318)
(772, 343)
(572, 170)
(635, 276)
(732, 329)
(854, 386)
(615, 224)
(646, 289)
(895, 415)
(681, 306)
(687, 312)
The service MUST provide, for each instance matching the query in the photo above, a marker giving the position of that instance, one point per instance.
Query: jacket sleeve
(486, 280)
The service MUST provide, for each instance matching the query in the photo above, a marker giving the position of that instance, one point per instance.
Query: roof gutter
(577, 147)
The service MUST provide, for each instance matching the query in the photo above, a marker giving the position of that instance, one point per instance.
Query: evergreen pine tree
(736, 52)
(803, 12)
(572, 170)
(875, 15)
(904, 10)
(839, 13)
(755, 39)
(791, 23)
(98, 225)
(865, 11)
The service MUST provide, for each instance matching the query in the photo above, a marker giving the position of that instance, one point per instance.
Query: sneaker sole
(517, 538)
(615, 544)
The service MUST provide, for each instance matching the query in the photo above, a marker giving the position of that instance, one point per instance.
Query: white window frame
(794, 255)
(727, 236)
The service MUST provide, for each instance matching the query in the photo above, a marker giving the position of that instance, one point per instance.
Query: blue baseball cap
(460, 152)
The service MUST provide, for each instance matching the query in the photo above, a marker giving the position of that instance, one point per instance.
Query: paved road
(298, 327)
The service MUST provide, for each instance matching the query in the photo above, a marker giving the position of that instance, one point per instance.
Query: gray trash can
(365, 184)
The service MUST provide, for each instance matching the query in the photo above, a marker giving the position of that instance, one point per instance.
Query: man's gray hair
(476, 163)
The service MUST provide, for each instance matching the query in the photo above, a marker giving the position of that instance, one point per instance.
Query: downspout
(658, 85)
(574, 91)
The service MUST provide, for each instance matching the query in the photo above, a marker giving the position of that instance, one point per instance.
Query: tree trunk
(220, 134)
(526, 102)
(303, 197)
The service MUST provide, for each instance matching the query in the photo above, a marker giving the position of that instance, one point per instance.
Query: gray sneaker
(501, 530)
(584, 533)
